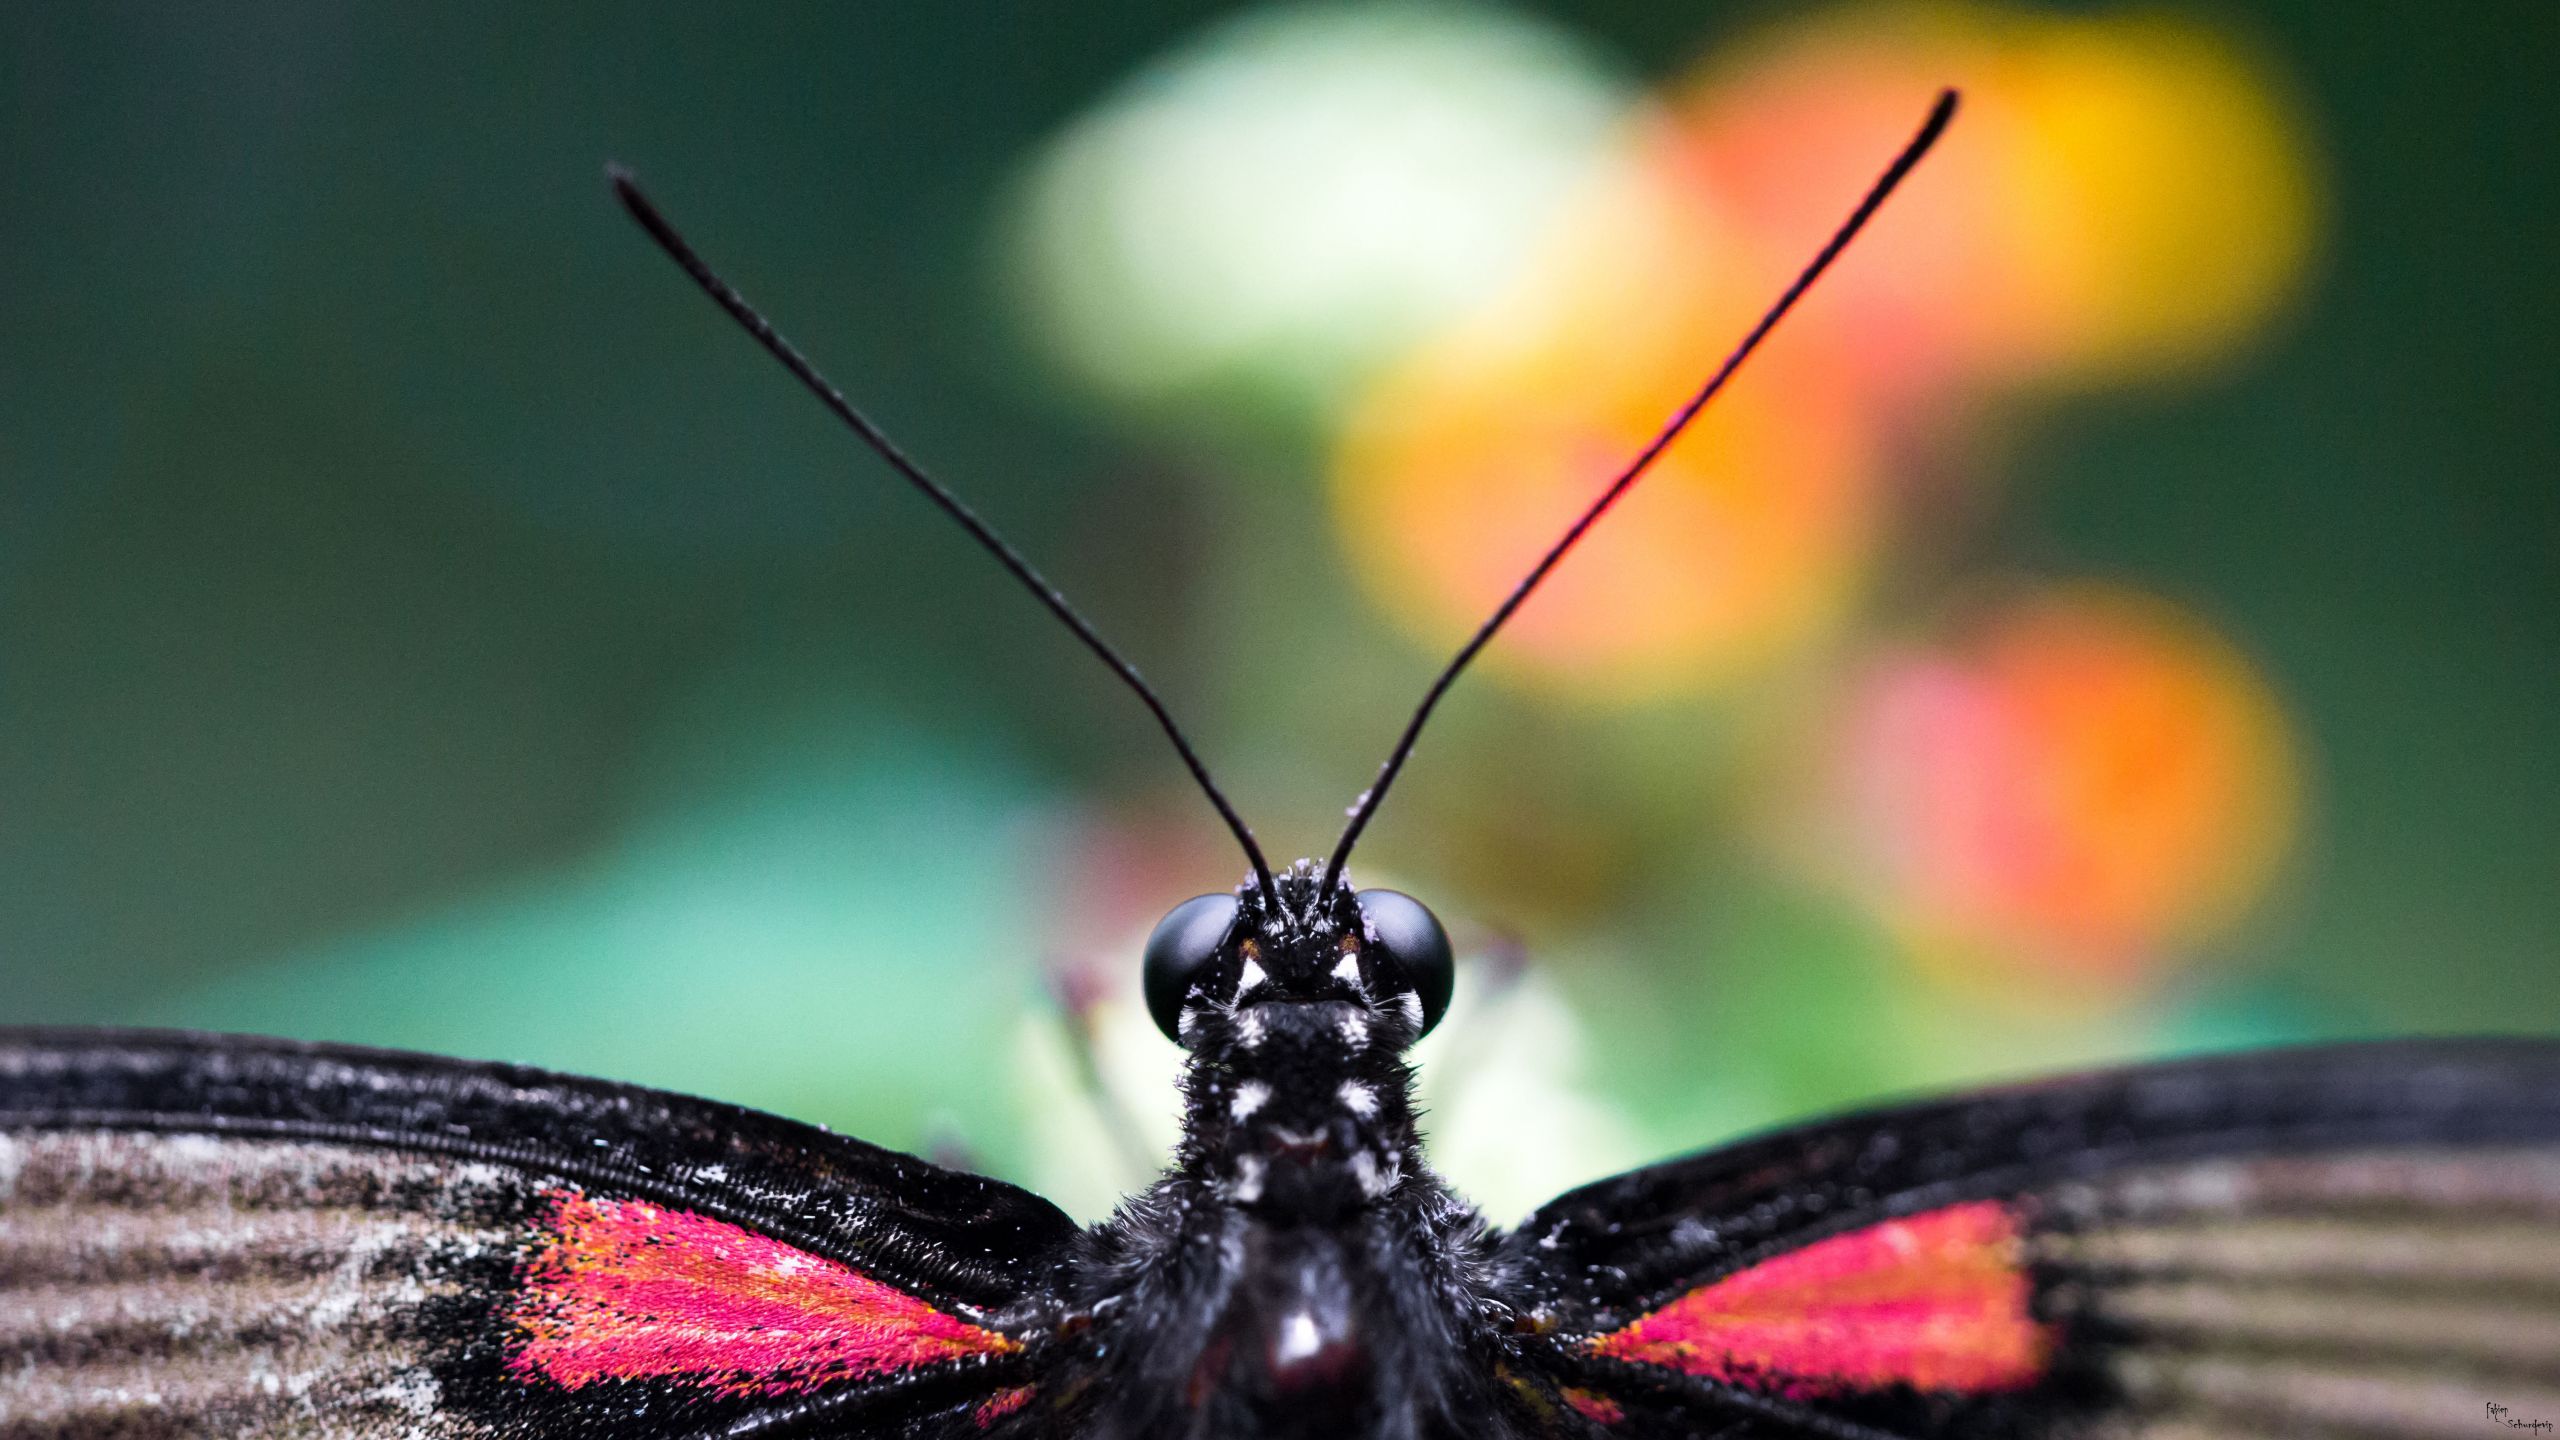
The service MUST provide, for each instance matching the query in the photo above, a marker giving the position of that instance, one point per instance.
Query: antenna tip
(626, 189)
(625, 186)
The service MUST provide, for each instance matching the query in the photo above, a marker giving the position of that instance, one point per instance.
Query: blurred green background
(423, 622)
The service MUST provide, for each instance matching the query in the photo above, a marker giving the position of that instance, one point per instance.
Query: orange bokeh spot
(1461, 465)
(2078, 784)
(2121, 196)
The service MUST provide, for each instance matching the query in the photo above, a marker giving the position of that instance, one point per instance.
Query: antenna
(627, 190)
(1367, 805)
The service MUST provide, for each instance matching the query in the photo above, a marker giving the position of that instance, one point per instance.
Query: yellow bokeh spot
(2177, 202)
(2122, 196)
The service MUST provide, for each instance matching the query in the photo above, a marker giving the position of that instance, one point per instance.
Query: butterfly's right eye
(1186, 940)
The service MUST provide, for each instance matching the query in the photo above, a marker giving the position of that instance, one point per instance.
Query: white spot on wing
(414, 1392)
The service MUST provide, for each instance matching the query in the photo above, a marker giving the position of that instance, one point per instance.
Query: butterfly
(219, 1235)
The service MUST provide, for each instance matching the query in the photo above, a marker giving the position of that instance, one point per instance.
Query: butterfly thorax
(1299, 1110)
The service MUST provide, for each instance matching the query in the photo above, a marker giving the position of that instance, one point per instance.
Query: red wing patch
(1593, 1406)
(1936, 1301)
(1002, 1403)
(627, 1290)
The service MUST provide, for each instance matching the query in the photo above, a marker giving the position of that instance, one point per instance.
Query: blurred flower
(1081, 1134)
(2188, 196)
(1298, 194)
(1509, 1107)
(2072, 786)
(1099, 1085)
(2120, 196)
(2124, 196)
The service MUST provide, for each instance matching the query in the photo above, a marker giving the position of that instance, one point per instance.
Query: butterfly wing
(2357, 1240)
(216, 1235)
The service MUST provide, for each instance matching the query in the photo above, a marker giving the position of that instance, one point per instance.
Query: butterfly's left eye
(1186, 940)
(1405, 940)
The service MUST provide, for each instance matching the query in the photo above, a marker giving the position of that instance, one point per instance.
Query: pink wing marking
(628, 1290)
(1593, 1406)
(1002, 1403)
(1936, 1301)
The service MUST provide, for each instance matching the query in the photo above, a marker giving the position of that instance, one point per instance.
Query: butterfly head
(1298, 943)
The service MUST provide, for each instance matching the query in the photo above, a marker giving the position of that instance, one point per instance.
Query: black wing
(206, 1234)
(2360, 1240)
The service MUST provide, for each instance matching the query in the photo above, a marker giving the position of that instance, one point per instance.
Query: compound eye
(1413, 950)
(1186, 940)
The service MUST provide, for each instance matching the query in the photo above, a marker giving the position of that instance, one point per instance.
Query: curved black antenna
(627, 190)
(1367, 805)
